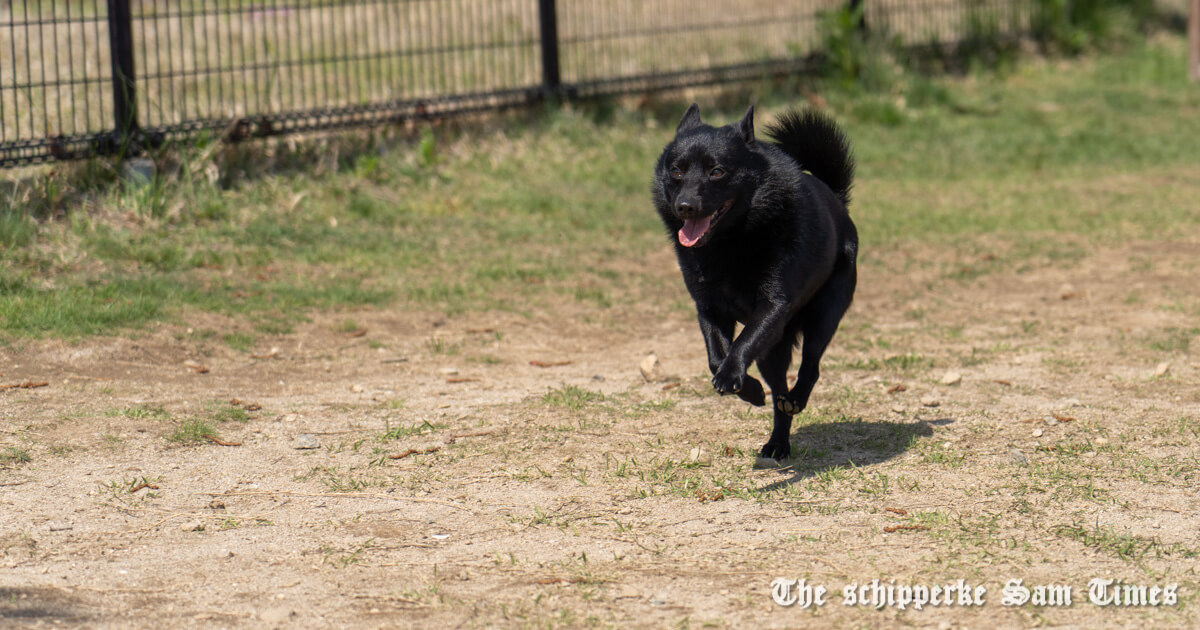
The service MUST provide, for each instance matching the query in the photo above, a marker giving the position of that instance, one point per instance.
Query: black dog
(763, 238)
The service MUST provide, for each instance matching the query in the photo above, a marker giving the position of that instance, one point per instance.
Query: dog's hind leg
(827, 309)
(773, 368)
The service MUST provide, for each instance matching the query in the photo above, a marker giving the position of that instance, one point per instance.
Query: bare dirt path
(1038, 424)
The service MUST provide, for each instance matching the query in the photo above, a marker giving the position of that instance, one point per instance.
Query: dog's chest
(739, 302)
(729, 288)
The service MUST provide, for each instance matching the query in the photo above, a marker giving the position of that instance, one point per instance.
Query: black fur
(763, 238)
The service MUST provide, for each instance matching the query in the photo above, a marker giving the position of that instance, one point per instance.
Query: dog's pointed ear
(690, 120)
(745, 127)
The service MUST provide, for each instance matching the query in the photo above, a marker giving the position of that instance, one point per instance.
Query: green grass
(227, 412)
(571, 397)
(14, 455)
(898, 363)
(191, 431)
(1171, 340)
(1039, 163)
(239, 341)
(401, 431)
(348, 326)
(1126, 546)
(1044, 150)
(139, 412)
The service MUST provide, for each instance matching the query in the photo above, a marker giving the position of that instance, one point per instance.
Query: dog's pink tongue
(692, 230)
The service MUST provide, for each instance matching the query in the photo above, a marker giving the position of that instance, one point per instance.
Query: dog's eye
(676, 173)
(716, 173)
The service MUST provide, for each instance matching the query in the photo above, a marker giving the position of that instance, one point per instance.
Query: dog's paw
(730, 380)
(752, 392)
(787, 406)
(777, 451)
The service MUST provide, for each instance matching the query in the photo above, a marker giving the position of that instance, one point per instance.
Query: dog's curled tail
(819, 146)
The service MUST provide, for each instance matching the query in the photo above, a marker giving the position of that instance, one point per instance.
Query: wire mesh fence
(91, 77)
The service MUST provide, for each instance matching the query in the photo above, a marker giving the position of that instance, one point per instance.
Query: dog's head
(706, 177)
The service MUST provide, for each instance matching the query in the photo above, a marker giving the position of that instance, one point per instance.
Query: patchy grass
(1126, 546)
(401, 431)
(140, 412)
(897, 363)
(243, 342)
(572, 397)
(191, 431)
(228, 412)
(14, 455)
(1172, 340)
(1004, 166)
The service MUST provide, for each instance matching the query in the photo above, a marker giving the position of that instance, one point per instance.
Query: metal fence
(81, 78)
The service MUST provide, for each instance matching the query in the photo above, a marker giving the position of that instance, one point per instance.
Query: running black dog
(763, 238)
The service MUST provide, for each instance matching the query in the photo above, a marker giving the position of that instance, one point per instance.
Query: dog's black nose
(684, 208)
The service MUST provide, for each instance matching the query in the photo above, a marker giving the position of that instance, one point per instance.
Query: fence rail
(80, 78)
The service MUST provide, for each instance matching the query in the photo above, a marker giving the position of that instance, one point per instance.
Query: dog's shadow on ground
(826, 446)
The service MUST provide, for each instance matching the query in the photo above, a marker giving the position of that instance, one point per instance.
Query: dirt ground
(1036, 422)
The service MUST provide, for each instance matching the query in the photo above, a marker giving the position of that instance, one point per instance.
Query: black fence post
(551, 78)
(857, 7)
(1194, 40)
(120, 38)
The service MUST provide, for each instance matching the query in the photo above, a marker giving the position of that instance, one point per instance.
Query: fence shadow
(825, 446)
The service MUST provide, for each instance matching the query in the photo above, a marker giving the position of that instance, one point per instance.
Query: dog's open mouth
(694, 230)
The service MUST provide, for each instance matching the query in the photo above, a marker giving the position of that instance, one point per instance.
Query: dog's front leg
(717, 330)
(763, 331)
